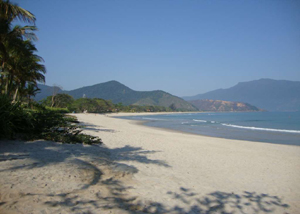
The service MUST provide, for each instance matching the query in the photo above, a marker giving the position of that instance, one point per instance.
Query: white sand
(177, 169)
(172, 173)
(48, 177)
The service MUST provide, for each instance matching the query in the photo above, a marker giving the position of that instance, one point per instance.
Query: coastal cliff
(221, 106)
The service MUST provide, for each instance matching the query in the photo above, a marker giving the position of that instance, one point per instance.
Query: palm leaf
(11, 11)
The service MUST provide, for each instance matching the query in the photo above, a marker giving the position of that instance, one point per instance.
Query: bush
(59, 110)
(13, 118)
(39, 123)
(95, 105)
(54, 126)
(60, 101)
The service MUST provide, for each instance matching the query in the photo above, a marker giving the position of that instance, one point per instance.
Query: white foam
(262, 129)
(146, 118)
(202, 121)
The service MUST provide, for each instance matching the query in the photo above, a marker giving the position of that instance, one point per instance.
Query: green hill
(119, 93)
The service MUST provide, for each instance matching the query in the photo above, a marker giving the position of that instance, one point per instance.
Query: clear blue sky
(183, 47)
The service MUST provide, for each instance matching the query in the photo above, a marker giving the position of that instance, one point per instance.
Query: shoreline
(184, 163)
(175, 112)
(124, 114)
(144, 123)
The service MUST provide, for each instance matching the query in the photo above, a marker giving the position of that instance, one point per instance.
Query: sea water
(271, 127)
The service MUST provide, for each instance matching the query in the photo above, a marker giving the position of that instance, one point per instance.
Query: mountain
(45, 91)
(268, 94)
(219, 105)
(119, 93)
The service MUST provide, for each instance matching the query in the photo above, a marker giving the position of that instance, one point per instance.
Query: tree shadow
(105, 192)
(38, 154)
(215, 202)
(115, 199)
(136, 154)
(223, 202)
(91, 127)
(43, 153)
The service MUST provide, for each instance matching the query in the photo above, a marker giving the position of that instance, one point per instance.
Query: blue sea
(270, 127)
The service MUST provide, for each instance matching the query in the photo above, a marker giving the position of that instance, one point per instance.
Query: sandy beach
(141, 169)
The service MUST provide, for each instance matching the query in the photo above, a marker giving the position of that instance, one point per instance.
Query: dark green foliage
(60, 101)
(21, 68)
(70, 134)
(59, 110)
(135, 108)
(92, 105)
(62, 130)
(40, 123)
(54, 126)
(13, 118)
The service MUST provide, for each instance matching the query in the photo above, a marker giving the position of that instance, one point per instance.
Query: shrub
(39, 123)
(55, 126)
(59, 110)
(13, 118)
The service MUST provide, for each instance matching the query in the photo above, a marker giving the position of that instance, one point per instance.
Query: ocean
(269, 127)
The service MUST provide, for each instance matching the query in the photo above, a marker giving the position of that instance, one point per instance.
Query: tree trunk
(1, 85)
(15, 95)
(29, 103)
(53, 101)
(4, 54)
(10, 85)
(2, 77)
(6, 85)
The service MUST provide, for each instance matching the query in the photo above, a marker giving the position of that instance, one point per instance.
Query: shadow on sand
(113, 194)
(91, 127)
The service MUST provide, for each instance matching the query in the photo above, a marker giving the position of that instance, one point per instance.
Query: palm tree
(10, 12)
(8, 35)
(17, 51)
(31, 90)
(26, 69)
(20, 67)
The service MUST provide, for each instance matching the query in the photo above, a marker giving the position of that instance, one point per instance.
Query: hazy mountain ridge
(45, 91)
(272, 95)
(119, 93)
(221, 106)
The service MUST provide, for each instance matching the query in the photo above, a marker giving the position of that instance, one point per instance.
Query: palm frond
(11, 11)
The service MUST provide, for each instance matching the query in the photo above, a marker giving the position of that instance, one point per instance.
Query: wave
(262, 129)
(205, 121)
(184, 122)
(147, 118)
(202, 121)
